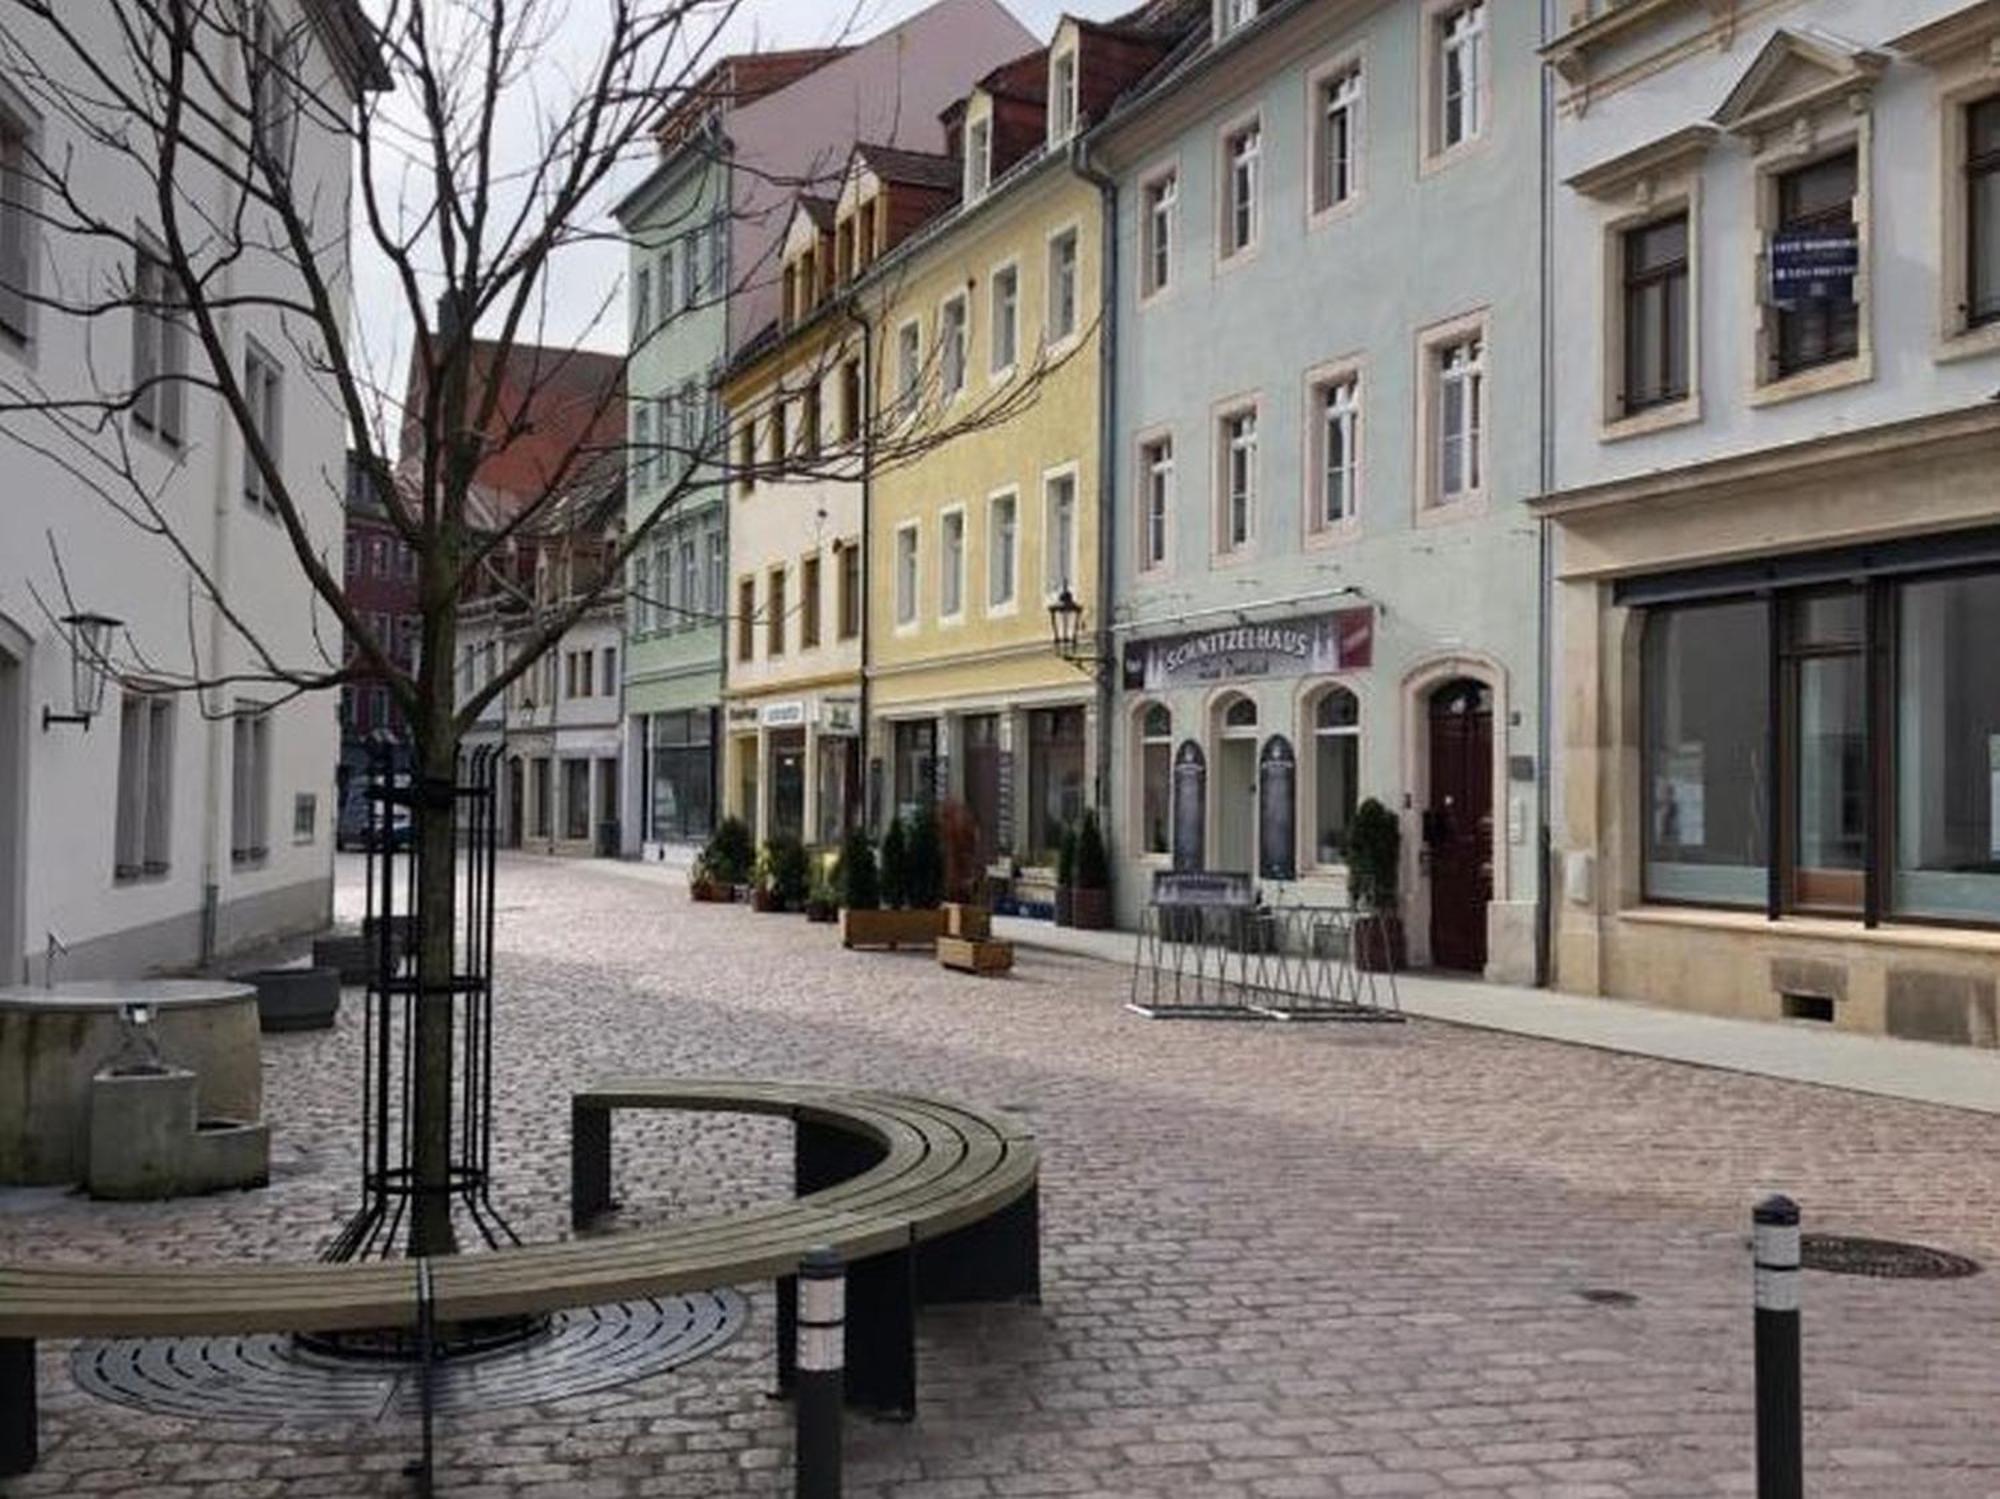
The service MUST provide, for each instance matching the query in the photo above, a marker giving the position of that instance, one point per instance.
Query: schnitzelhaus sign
(1339, 640)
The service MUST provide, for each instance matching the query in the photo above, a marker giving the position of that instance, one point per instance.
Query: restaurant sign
(1340, 640)
(1813, 265)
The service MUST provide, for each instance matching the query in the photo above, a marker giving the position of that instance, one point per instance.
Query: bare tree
(209, 105)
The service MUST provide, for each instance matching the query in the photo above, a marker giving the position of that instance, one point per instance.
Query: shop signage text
(1341, 640)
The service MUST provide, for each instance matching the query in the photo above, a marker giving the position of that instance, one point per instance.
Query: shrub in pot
(924, 877)
(789, 867)
(874, 916)
(731, 852)
(860, 888)
(703, 885)
(1065, 874)
(895, 878)
(1374, 872)
(1090, 893)
(823, 898)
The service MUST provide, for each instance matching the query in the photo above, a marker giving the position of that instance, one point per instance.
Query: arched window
(1156, 779)
(1336, 756)
(1240, 717)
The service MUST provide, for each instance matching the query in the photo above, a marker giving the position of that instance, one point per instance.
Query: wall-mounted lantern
(89, 641)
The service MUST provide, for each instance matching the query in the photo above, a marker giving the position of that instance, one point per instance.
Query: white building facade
(179, 824)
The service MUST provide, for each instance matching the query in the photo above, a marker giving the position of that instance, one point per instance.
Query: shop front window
(1707, 757)
(680, 801)
(787, 748)
(1336, 772)
(916, 765)
(1826, 724)
(1947, 846)
(1156, 779)
(839, 787)
(1055, 777)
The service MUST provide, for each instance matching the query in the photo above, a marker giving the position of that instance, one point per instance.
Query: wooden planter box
(712, 892)
(971, 955)
(1380, 945)
(973, 923)
(1089, 910)
(891, 929)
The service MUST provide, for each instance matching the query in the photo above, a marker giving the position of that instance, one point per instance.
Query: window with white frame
(909, 367)
(1002, 557)
(978, 159)
(906, 574)
(847, 589)
(1242, 153)
(17, 226)
(689, 579)
(642, 443)
(159, 353)
(666, 418)
(1059, 536)
(1336, 753)
(1231, 15)
(1156, 779)
(951, 564)
(145, 785)
(1004, 315)
(1982, 211)
(1062, 97)
(1062, 286)
(1457, 378)
(263, 394)
(951, 346)
(1156, 500)
(691, 272)
(642, 302)
(1458, 75)
(1336, 138)
(273, 63)
(1159, 204)
(642, 599)
(1336, 404)
(1236, 478)
(715, 598)
(250, 784)
(775, 613)
(668, 271)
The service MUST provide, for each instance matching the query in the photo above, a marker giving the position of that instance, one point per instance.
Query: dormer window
(1232, 15)
(978, 159)
(1062, 97)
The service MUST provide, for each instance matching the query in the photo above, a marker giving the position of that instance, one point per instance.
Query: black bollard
(820, 1390)
(1780, 1440)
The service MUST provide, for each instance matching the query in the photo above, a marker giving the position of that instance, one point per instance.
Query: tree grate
(1881, 1259)
(275, 1377)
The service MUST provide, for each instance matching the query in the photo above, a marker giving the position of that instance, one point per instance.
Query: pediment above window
(1628, 173)
(1798, 73)
(1968, 32)
(1598, 26)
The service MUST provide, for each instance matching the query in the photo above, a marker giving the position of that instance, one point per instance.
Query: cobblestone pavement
(1278, 1260)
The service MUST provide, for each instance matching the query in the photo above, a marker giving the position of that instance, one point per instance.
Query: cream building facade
(1776, 537)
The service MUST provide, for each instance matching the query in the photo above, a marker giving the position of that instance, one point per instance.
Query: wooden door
(1458, 825)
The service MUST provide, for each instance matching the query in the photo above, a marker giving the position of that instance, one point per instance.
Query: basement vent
(1808, 1007)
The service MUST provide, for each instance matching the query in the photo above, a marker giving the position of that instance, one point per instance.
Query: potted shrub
(763, 888)
(895, 866)
(923, 879)
(860, 889)
(731, 852)
(1065, 874)
(1374, 871)
(1090, 881)
(862, 924)
(823, 898)
(790, 869)
(703, 885)
(966, 913)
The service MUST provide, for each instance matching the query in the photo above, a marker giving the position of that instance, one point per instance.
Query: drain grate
(1883, 1259)
(1608, 1296)
(274, 1378)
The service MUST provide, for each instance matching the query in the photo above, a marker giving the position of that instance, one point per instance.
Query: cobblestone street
(1278, 1260)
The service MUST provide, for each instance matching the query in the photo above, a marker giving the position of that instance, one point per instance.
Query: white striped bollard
(820, 1391)
(1780, 1441)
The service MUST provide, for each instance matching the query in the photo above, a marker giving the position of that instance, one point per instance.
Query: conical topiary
(895, 883)
(861, 889)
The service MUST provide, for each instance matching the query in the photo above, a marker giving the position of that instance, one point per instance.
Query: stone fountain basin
(53, 1041)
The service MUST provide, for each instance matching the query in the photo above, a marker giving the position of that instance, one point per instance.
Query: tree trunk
(435, 843)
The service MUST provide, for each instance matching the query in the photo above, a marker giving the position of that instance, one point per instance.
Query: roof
(738, 79)
(915, 168)
(818, 209)
(352, 42)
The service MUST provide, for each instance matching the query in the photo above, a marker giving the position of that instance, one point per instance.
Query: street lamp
(1066, 624)
(89, 639)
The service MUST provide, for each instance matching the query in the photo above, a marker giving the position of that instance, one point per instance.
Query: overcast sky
(585, 296)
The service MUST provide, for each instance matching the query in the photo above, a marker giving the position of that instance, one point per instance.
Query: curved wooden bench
(927, 1201)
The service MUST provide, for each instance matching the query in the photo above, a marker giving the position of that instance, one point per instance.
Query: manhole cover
(1605, 1296)
(272, 1377)
(1885, 1259)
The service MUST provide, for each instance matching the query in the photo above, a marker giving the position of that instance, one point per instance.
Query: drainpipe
(851, 308)
(1107, 462)
(1545, 541)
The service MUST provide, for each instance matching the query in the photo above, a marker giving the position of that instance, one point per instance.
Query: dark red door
(1458, 827)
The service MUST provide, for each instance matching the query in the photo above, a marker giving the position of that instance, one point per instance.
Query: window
(1232, 15)
(540, 796)
(1336, 140)
(849, 585)
(677, 745)
(978, 158)
(608, 678)
(1056, 777)
(746, 456)
(691, 272)
(951, 346)
(353, 558)
(305, 817)
(1818, 321)
(1982, 211)
(1156, 500)
(1458, 75)
(587, 663)
(1059, 535)
(576, 797)
(1156, 779)
(809, 602)
(263, 391)
(250, 784)
(1947, 753)
(809, 419)
(1062, 97)
(1242, 150)
(909, 368)
(850, 400)
(642, 442)
(569, 673)
(273, 102)
(378, 556)
(1236, 479)
(642, 302)
(776, 431)
(145, 786)
(1004, 295)
(774, 614)
(1002, 560)
(715, 598)
(951, 564)
(1336, 404)
(1458, 378)
(667, 279)
(1159, 204)
(669, 616)
(864, 235)
(906, 574)
(159, 353)
(1336, 772)
(746, 618)
(689, 577)
(17, 228)
(406, 562)
(1656, 313)
(1062, 286)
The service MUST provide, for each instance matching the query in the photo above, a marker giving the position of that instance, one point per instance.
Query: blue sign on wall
(1813, 265)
